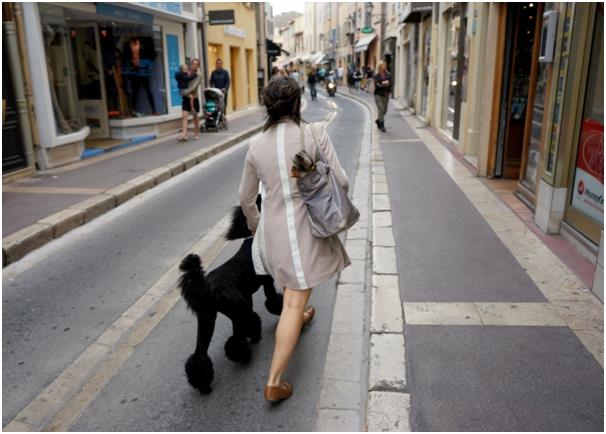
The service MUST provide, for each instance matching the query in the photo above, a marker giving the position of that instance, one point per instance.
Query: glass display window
(134, 71)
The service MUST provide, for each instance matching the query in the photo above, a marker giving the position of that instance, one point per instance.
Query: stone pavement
(43, 207)
(475, 323)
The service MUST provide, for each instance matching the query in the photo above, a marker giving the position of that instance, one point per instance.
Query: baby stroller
(213, 110)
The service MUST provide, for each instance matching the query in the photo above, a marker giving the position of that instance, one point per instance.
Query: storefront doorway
(235, 65)
(455, 67)
(519, 76)
(13, 153)
(90, 83)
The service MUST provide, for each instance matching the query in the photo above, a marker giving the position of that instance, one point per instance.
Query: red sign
(591, 149)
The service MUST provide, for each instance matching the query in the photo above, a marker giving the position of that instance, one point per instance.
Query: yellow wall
(232, 50)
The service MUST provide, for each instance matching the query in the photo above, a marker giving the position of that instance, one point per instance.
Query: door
(90, 82)
(13, 154)
(520, 37)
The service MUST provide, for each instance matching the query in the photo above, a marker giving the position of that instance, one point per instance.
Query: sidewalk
(499, 333)
(55, 201)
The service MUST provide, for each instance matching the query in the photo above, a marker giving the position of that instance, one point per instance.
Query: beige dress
(283, 245)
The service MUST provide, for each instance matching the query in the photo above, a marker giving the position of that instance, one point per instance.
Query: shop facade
(236, 45)
(109, 72)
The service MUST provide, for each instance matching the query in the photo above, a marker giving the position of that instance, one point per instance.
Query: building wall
(232, 49)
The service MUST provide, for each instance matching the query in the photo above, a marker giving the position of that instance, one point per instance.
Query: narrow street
(55, 308)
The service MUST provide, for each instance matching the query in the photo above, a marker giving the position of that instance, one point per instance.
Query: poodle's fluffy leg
(199, 366)
(237, 347)
(273, 300)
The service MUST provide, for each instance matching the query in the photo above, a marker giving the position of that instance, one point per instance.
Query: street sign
(367, 29)
(221, 17)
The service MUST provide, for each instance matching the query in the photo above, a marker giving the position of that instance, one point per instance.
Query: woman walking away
(190, 102)
(283, 245)
(382, 91)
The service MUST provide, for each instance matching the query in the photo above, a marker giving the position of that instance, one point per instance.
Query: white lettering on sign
(234, 31)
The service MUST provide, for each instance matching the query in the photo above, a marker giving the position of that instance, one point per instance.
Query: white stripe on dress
(290, 210)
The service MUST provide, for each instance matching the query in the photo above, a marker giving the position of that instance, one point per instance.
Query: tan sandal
(308, 315)
(278, 393)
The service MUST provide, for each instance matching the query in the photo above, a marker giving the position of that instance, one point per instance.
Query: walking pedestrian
(219, 78)
(382, 90)
(369, 79)
(340, 72)
(190, 104)
(357, 76)
(283, 245)
(312, 80)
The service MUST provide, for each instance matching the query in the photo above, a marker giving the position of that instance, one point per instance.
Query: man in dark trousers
(220, 79)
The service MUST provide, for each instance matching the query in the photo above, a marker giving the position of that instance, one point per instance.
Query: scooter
(331, 87)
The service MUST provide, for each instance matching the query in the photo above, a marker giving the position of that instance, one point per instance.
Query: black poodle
(227, 289)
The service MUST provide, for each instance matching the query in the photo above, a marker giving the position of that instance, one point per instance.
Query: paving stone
(161, 174)
(384, 260)
(350, 287)
(380, 202)
(142, 183)
(340, 394)
(357, 233)
(378, 170)
(344, 357)
(520, 314)
(441, 314)
(176, 167)
(348, 312)
(386, 311)
(95, 206)
(356, 249)
(338, 421)
(387, 370)
(581, 315)
(388, 412)
(189, 161)
(382, 219)
(380, 188)
(386, 282)
(376, 178)
(64, 221)
(355, 273)
(123, 192)
(383, 237)
(20, 243)
(594, 342)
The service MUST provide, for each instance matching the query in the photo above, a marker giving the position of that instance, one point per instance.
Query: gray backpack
(329, 208)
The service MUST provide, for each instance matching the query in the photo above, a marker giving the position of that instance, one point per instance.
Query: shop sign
(234, 31)
(221, 17)
(172, 49)
(124, 13)
(588, 188)
(171, 7)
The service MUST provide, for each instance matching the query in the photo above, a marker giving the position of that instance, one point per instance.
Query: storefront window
(426, 64)
(534, 147)
(588, 186)
(452, 55)
(133, 67)
(56, 38)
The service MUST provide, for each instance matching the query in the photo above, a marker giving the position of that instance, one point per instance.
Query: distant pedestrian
(312, 80)
(357, 77)
(340, 72)
(383, 85)
(219, 78)
(189, 82)
(369, 79)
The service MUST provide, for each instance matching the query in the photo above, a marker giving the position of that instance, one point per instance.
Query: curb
(388, 400)
(30, 238)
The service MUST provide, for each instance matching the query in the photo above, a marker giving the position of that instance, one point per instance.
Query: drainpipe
(12, 44)
(29, 96)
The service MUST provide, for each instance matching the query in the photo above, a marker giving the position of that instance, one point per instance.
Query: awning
(317, 58)
(362, 44)
(414, 11)
(305, 58)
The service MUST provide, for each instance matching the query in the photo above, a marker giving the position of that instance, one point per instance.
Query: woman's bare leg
(184, 124)
(287, 332)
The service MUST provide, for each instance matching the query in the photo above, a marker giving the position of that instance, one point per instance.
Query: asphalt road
(55, 309)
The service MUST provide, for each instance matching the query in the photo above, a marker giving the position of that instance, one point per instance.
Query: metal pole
(204, 46)
(10, 33)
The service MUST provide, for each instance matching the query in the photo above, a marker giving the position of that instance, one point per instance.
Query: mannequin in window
(139, 55)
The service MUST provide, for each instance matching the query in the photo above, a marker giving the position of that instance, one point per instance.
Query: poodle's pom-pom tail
(193, 282)
(191, 263)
